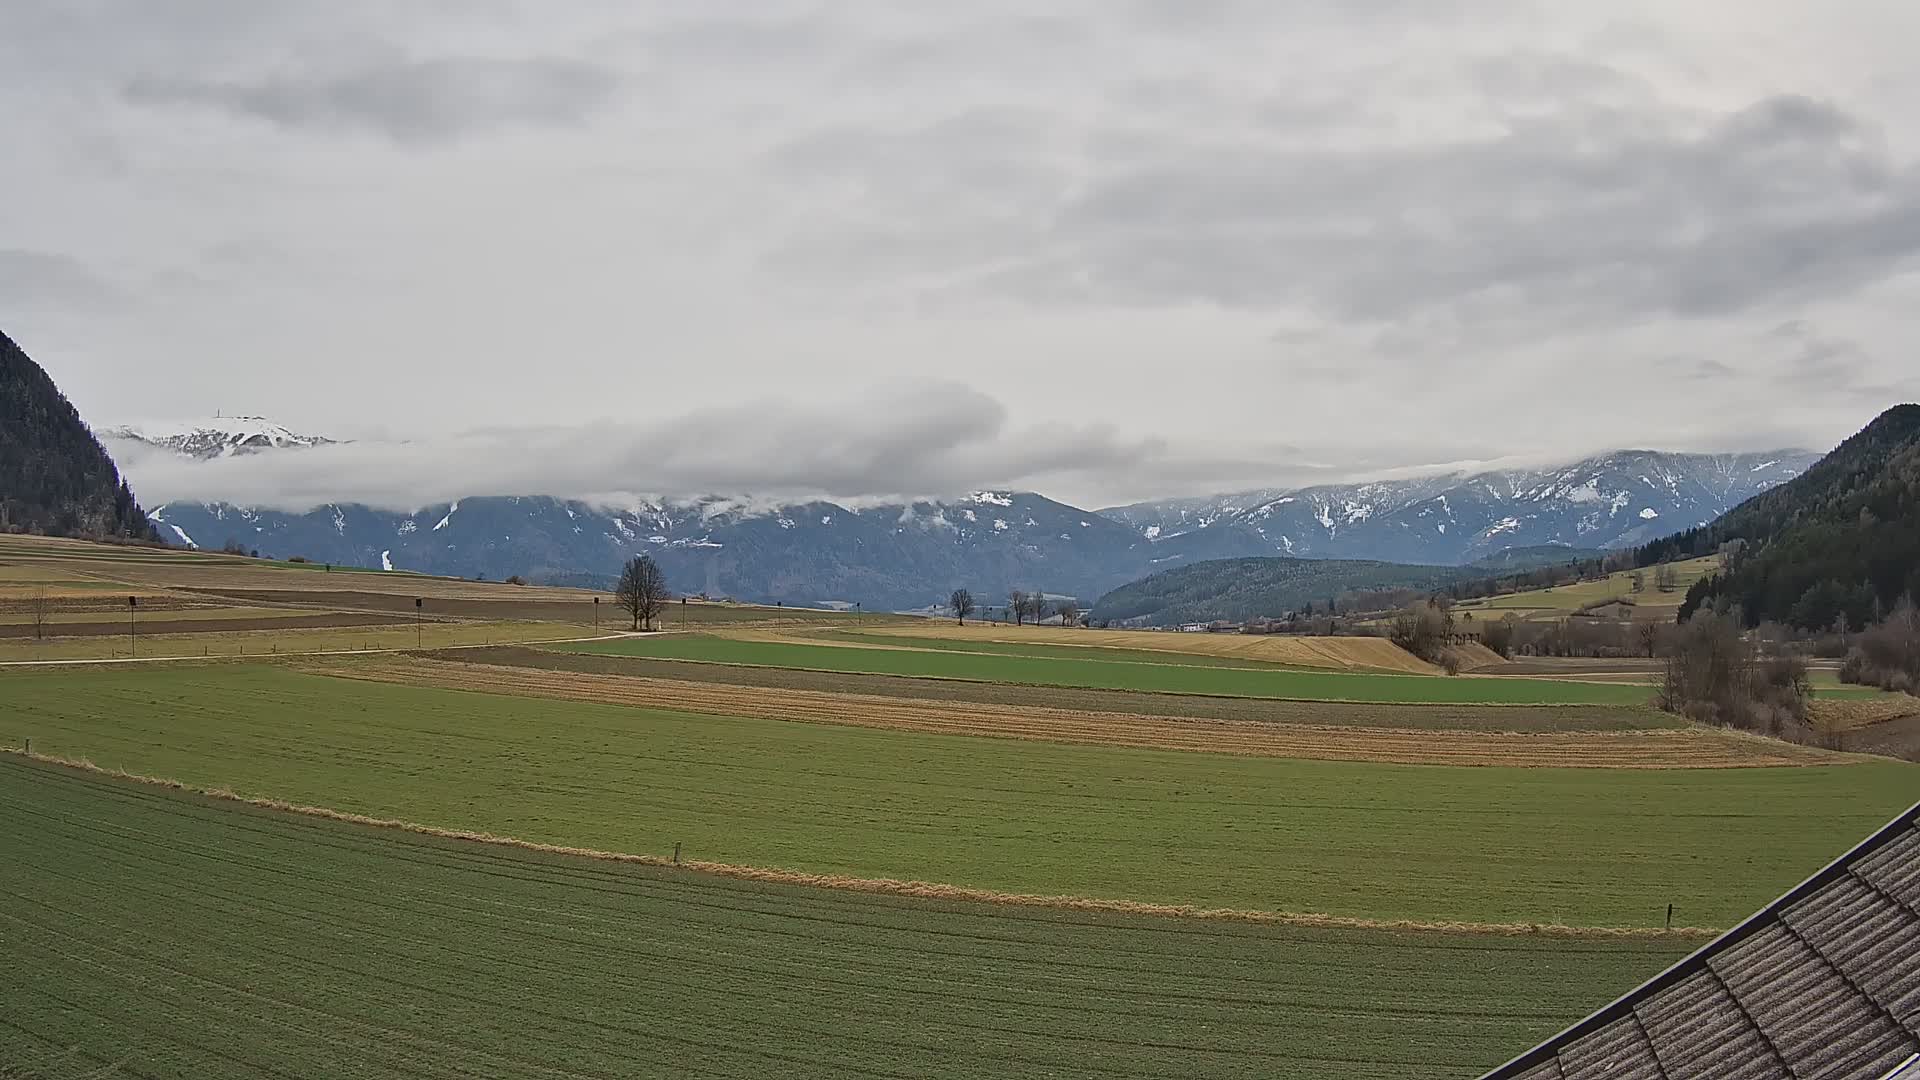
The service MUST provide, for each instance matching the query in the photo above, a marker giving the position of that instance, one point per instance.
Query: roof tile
(1822, 984)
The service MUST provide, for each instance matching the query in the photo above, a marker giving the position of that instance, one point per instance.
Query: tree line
(1023, 607)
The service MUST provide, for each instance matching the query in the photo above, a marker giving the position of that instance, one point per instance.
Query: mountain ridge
(1616, 499)
(910, 554)
(1839, 543)
(55, 476)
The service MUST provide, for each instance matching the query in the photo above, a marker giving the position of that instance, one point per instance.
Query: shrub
(1713, 677)
(1887, 654)
(1830, 646)
(1498, 636)
(296, 558)
(516, 579)
(1422, 630)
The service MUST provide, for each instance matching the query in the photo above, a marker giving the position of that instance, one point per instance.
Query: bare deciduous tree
(1422, 630)
(1714, 676)
(1648, 635)
(1017, 604)
(1038, 607)
(1069, 612)
(1498, 635)
(642, 591)
(961, 604)
(37, 606)
(1665, 578)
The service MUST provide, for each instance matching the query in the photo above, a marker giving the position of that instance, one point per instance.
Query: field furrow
(166, 935)
(1660, 749)
(1047, 817)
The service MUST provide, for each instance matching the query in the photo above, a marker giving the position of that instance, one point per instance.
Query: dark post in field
(596, 614)
(1669, 916)
(676, 853)
(132, 602)
(419, 633)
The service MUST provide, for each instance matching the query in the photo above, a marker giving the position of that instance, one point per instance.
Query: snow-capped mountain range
(1615, 500)
(220, 436)
(906, 555)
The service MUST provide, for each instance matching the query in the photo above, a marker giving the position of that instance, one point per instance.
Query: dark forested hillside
(55, 477)
(1240, 589)
(1840, 541)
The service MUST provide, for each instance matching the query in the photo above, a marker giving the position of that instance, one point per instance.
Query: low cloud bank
(916, 440)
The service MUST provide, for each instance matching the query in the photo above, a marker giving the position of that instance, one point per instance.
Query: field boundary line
(1164, 693)
(1693, 747)
(924, 890)
(616, 636)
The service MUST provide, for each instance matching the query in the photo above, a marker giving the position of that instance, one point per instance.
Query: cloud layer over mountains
(1174, 236)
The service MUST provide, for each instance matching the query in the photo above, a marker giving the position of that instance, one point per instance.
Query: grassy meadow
(1562, 600)
(161, 933)
(211, 939)
(1108, 674)
(1579, 846)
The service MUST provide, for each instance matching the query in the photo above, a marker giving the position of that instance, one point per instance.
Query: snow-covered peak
(219, 436)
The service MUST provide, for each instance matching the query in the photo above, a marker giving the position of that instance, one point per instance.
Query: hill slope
(1268, 586)
(1241, 589)
(1842, 539)
(55, 477)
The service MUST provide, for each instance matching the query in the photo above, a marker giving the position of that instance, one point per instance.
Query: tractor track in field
(1514, 718)
(1685, 748)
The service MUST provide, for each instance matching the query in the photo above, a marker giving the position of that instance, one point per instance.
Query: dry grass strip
(922, 890)
(1852, 714)
(1684, 748)
(1337, 653)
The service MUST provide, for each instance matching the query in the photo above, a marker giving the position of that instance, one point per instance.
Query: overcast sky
(1125, 248)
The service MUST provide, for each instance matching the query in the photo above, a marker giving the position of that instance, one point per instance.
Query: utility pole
(132, 602)
(596, 614)
(419, 630)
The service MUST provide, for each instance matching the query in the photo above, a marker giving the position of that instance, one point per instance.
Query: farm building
(1823, 983)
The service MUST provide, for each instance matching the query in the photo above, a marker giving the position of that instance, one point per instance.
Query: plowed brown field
(1376, 654)
(1665, 749)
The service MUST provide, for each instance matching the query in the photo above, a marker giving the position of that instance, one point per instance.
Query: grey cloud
(1816, 361)
(408, 101)
(1348, 221)
(1594, 212)
(919, 439)
(39, 277)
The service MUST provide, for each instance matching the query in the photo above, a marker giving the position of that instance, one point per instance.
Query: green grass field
(1596, 847)
(156, 934)
(1561, 600)
(1048, 651)
(1266, 710)
(1165, 676)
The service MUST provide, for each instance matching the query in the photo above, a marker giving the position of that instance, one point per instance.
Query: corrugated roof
(1823, 984)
